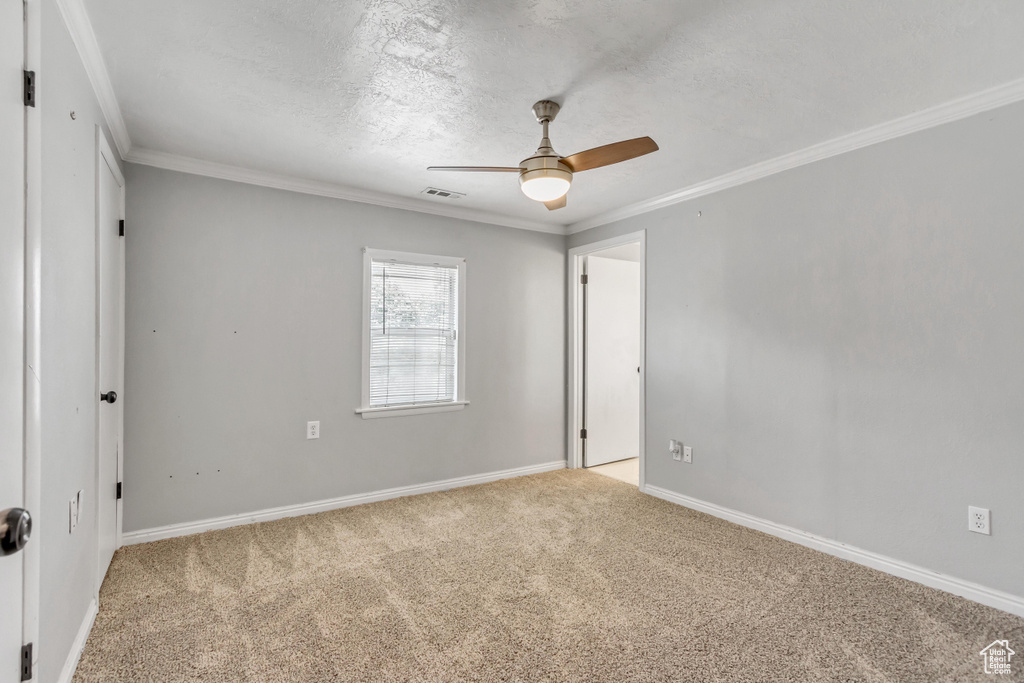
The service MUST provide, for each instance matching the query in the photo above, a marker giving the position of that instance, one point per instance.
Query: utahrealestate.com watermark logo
(997, 657)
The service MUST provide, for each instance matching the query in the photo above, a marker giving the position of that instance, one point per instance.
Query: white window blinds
(413, 335)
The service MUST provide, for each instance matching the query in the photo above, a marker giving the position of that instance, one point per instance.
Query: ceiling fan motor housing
(544, 167)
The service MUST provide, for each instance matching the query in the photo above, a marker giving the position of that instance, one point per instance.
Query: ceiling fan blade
(484, 169)
(556, 203)
(610, 154)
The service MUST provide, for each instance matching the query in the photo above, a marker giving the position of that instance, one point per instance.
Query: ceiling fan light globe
(545, 184)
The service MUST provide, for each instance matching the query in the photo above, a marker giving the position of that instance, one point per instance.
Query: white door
(109, 183)
(12, 316)
(612, 360)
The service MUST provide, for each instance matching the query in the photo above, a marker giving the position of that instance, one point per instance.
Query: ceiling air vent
(443, 194)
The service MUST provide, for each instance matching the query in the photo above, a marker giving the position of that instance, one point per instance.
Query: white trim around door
(33, 419)
(574, 452)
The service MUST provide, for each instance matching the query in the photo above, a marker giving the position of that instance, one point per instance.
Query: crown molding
(80, 27)
(183, 164)
(77, 21)
(947, 112)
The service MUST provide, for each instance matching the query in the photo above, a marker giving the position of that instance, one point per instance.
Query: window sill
(420, 409)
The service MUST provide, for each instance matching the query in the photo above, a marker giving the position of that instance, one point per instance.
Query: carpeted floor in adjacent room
(566, 576)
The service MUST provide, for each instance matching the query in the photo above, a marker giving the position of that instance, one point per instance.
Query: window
(413, 350)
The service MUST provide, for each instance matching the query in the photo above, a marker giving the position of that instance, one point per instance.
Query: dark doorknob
(15, 528)
(109, 397)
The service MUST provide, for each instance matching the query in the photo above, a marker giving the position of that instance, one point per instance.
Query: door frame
(33, 419)
(13, 223)
(576, 313)
(106, 160)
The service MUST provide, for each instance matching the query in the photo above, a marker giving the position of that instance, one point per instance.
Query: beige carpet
(567, 576)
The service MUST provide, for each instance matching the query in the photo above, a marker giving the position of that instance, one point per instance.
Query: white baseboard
(71, 663)
(188, 528)
(972, 591)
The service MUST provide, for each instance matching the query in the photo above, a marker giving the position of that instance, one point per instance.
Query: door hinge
(120, 228)
(583, 433)
(26, 662)
(583, 279)
(30, 88)
(119, 490)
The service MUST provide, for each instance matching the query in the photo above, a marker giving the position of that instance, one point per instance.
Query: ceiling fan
(546, 176)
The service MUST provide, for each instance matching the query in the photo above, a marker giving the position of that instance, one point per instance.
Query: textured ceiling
(368, 94)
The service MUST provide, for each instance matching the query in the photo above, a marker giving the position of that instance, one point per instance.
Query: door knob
(109, 397)
(15, 528)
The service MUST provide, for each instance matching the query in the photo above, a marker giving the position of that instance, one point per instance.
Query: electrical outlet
(687, 453)
(73, 514)
(978, 520)
(313, 430)
(673, 448)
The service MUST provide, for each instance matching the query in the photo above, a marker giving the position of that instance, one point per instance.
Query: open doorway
(607, 304)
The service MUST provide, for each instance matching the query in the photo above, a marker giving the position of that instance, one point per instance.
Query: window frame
(460, 402)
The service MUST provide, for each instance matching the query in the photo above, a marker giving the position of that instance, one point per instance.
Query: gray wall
(68, 341)
(841, 345)
(243, 320)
